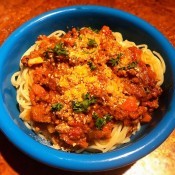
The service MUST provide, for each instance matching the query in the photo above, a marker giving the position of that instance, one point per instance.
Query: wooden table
(159, 13)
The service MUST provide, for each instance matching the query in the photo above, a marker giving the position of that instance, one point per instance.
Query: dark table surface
(160, 13)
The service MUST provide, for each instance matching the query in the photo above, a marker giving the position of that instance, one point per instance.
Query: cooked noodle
(120, 134)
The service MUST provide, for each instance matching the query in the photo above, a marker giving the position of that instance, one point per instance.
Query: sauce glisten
(84, 83)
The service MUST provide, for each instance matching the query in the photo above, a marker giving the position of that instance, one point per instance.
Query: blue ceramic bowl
(146, 140)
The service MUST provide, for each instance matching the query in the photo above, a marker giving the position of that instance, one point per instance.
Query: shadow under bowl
(132, 28)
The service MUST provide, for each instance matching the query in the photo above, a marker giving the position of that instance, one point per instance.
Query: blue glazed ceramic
(132, 28)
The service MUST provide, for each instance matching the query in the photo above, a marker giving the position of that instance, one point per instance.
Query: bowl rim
(87, 162)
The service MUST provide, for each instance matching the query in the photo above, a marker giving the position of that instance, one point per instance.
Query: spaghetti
(88, 89)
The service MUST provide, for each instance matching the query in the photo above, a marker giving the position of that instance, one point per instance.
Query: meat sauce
(82, 86)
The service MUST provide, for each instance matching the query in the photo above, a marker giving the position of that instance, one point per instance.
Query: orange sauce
(84, 83)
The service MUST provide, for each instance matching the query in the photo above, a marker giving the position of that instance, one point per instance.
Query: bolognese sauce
(84, 82)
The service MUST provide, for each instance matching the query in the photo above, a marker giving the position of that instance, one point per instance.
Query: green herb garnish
(129, 66)
(60, 50)
(94, 115)
(82, 106)
(91, 99)
(132, 65)
(91, 65)
(93, 29)
(92, 43)
(56, 51)
(114, 61)
(56, 106)
(101, 121)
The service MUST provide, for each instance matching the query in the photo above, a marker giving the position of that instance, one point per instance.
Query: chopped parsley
(82, 106)
(131, 65)
(91, 65)
(114, 61)
(101, 121)
(93, 29)
(56, 51)
(94, 115)
(92, 43)
(56, 106)
(60, 50)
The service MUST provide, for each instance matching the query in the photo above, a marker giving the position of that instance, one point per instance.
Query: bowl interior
(132, 29)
